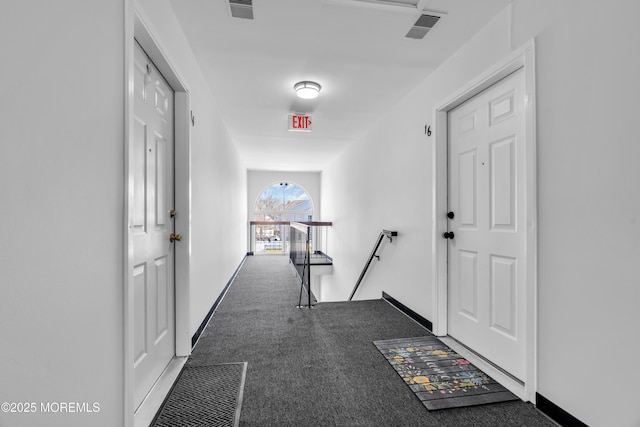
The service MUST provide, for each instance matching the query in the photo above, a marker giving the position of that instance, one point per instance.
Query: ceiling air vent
(422, 26)
(241, 8)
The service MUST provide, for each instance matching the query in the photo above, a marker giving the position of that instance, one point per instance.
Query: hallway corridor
(319, 367)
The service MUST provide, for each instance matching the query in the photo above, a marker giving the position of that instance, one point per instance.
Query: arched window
(282, 201)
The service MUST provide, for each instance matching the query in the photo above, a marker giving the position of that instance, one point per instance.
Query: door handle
(448, 235)
(450, 215)
(174, 237)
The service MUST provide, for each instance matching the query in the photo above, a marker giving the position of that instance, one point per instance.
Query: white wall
(218, 184)
(62, 203)
(62, 195)
(384, 182)
(588, 195)
(589, 207)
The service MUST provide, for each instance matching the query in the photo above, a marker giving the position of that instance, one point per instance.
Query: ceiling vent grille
(241, 8)
(422, 26)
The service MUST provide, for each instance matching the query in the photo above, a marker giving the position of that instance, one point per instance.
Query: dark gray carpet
(319, 367)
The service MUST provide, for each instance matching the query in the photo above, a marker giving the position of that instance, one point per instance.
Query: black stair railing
(302, 256)
(384, 233)
(299, 256)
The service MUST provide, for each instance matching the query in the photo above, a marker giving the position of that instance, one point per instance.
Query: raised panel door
(154, 281)
(486, 271)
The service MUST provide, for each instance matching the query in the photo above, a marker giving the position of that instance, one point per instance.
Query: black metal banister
(300, 234)
(383, 234)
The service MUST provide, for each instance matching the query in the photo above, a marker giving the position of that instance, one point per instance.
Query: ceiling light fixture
(307, 90)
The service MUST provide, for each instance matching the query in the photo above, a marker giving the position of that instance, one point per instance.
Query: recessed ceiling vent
(422, 26)
(241, 8)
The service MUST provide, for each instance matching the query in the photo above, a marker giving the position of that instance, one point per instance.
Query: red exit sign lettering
(299, 123)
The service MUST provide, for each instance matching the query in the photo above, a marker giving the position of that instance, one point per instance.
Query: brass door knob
(174, 237)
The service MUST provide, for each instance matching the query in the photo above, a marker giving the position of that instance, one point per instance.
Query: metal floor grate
(205, 396)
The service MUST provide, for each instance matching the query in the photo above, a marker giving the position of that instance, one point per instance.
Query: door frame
(136, 28)
(524, 57)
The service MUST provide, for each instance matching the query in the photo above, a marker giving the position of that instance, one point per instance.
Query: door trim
(136, 28)
(523, 57)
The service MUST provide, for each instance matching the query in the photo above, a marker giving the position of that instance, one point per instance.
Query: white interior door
(487, 263)
(154, 281)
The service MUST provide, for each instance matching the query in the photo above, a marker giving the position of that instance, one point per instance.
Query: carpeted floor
(319, 367)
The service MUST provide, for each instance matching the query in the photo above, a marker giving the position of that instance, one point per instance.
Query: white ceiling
(358, 53)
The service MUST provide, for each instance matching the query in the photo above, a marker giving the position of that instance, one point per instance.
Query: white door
(487, 264)
(154, 282)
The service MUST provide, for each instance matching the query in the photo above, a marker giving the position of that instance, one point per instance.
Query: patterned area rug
(439, 376)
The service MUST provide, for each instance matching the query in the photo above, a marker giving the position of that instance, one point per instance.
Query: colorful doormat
(439, 376)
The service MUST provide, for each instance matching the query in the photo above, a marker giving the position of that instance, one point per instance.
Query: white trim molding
(128, 392)
(524, 57)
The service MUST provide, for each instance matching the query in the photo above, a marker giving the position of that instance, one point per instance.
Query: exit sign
(299, 123)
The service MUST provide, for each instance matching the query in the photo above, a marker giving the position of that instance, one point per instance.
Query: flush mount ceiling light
(307, 90)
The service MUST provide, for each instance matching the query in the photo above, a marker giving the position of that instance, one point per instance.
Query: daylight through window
(282, 201)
